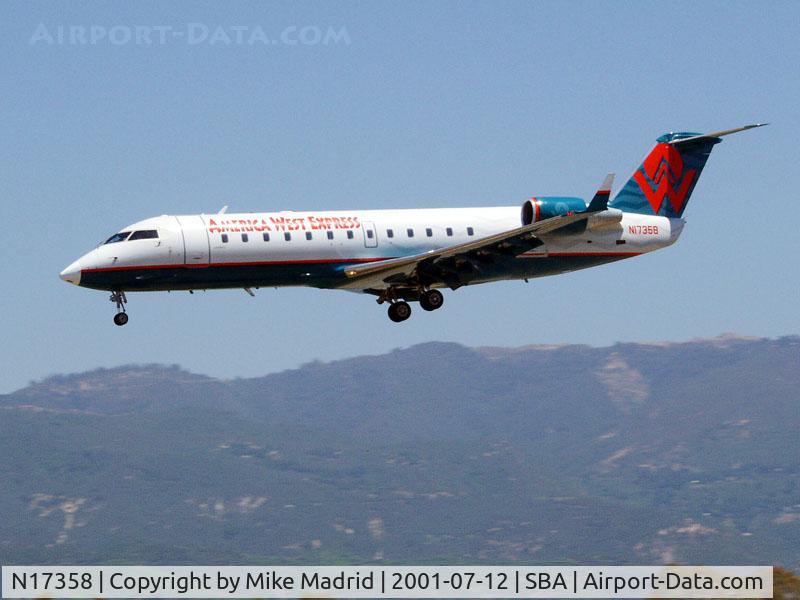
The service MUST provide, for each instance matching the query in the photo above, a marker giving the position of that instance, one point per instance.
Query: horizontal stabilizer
(714, 134)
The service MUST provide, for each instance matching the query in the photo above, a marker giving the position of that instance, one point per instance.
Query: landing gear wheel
(399, 311)
(431, 300)
(118, 298)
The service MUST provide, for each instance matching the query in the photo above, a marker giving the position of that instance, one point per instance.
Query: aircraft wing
(455, 265)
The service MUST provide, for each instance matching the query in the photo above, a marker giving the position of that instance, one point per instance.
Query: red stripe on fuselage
(321, 261)
(572, 254)
(314, 261)
(594, 253)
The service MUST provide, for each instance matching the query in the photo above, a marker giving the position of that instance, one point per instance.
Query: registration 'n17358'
(643, 229)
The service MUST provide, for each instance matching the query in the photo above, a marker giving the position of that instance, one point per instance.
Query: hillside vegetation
(635, 453)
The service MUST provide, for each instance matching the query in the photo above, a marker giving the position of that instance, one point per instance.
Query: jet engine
(539, 209)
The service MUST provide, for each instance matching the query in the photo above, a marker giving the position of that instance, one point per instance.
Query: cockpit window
(118, 237)
(144, 234)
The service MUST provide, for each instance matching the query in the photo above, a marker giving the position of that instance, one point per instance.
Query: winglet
(223, 210)
(600, 200)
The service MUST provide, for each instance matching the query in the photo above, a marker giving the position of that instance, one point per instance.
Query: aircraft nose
(72, 274)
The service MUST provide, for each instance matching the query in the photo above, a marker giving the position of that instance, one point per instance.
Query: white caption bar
(387, 582)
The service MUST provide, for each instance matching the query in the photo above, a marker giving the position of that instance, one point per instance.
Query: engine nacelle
(539, 209)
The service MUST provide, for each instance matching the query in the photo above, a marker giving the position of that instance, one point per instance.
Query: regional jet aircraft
(402, 256)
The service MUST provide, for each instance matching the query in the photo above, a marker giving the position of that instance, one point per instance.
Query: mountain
(634, 453)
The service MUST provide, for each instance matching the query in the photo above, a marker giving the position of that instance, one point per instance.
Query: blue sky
(420, 104)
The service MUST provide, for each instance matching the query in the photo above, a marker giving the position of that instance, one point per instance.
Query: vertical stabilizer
(663, 183)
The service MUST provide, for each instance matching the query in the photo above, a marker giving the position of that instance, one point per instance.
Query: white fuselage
(310, 248)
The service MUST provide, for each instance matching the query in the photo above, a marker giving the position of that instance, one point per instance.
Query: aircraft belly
(530, 267)
(214, 277)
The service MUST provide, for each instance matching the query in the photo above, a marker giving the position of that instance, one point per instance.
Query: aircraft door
(167, 247)
(195, 240)
(370, 235)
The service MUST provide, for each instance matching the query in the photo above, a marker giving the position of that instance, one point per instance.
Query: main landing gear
(120, 300)
(431, 300)
(400, 310)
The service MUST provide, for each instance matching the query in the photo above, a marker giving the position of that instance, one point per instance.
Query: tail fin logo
(665, 178)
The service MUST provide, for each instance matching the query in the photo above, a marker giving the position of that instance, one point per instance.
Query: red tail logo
(664, 167)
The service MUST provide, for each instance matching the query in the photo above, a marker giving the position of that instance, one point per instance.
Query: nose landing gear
(118, 297)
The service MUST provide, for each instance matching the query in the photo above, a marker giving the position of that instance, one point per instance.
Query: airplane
(408, 255)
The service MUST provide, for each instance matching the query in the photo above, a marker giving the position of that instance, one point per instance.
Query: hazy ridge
(675, 452)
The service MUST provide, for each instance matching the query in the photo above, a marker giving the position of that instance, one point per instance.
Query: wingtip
(608, 183)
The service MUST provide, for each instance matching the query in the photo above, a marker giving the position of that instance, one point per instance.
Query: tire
(399, 311)
(120, 319)
(431, 300)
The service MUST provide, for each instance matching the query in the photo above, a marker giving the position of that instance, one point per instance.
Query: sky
(386, 105)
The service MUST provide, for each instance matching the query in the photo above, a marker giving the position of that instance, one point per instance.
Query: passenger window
(429, 232)
(410, 232)
(287, 236)
(330, 235)
(224, 238)
(265, 236)
(146, 234)
(349, 234)
(449, 232)
(370, 233)
(118, 237)
(470, 231)
(390, 233)
(245, 237)
(308, 235)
